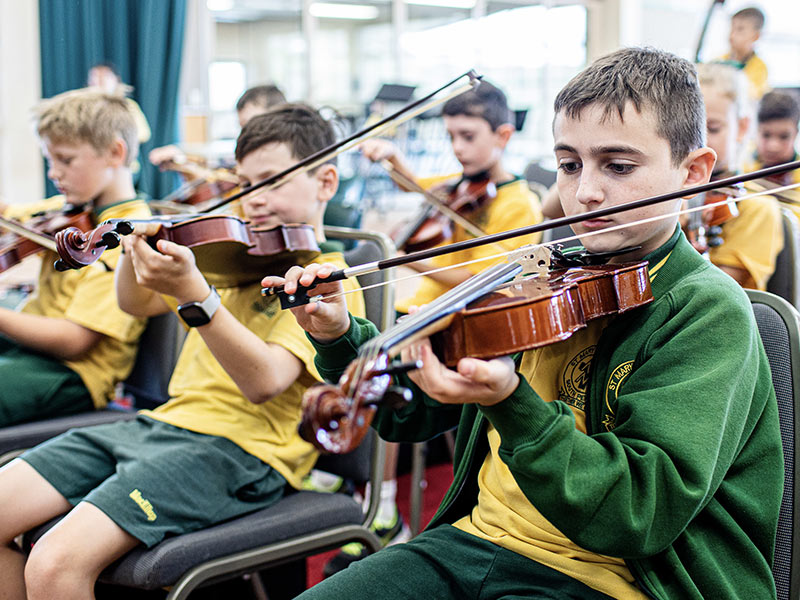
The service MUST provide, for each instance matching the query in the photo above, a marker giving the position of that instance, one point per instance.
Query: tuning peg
(110, 239)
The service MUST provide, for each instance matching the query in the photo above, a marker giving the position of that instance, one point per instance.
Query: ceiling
(237, 11)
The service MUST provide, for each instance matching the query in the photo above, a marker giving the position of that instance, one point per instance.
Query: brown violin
(23, 240)
(202, 184)
(704, 228)
(450, 203)
(227, 249)
(485, 317)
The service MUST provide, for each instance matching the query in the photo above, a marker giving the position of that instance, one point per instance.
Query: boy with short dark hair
(253, 102)
(479, 125)
(226, 442)
(776, 135)
(71, 344)
(257, 100)
(627, 461)
(746, 26)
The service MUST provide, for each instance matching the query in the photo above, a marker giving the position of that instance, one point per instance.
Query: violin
(432, 226)
(485, 317)
(202, 184)
(704, 228)
(37, 234)
(228, 249)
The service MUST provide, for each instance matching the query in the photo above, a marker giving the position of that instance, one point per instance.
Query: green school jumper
(681, 470)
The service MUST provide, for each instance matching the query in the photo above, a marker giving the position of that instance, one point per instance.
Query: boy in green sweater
(628, 461)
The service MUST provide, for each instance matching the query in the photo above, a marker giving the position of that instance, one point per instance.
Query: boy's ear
(503, 133)
(699, 165)
(327, 182)
(118, 152)
(742, 127)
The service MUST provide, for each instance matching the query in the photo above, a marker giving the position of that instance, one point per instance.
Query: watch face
(194, 316)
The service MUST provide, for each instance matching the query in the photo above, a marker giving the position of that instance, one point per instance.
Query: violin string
(560, 241)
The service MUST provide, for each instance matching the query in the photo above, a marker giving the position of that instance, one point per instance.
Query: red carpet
(438, 479)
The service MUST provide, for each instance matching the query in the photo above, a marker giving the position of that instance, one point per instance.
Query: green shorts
(153, 479)
(36, 386)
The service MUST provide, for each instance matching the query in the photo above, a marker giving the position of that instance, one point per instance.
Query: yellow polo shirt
(515, 206)
(86, 297)
(752, 240)
(755, 70)
(204, 398)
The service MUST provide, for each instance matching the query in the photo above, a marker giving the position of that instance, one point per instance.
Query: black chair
(785, 281)
(301, 524)
(147, 385)
(779, 326)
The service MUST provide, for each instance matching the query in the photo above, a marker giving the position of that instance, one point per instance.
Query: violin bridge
(535, 260)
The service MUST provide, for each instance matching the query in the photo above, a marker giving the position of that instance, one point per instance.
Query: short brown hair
(486, 102)
(297, 125)
(752, 14)
(267, 96)
(648, 79)
(91, 116)
(778, 105)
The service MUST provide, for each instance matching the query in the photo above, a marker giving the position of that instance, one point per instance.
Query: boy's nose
(589, 191)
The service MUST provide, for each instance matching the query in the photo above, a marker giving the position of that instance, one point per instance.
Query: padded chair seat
(28, 435)
(295, 515)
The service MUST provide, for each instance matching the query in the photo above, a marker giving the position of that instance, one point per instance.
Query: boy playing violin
(70, 344)
(752, 240)
(627, 461)
(778, 117)
(479, 125)
(226, 443)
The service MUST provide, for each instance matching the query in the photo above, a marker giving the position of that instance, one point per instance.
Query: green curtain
(142, 38)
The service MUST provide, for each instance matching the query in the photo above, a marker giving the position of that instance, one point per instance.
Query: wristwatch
(195, 314)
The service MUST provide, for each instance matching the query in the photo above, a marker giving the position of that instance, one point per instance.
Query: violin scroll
(77, 249)
(337, 417)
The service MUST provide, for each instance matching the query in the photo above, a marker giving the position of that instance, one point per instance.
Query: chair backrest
(785, 281)
(779, 326)
(158, 352)
(372, 246)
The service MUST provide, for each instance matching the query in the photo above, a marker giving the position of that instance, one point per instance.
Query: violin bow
(703, 31)
(431, 198)
(322, 156)
(300, 297)
(43, 240)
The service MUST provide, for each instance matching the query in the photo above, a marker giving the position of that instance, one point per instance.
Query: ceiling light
(444, 3)
(331, 10)
(219, 5)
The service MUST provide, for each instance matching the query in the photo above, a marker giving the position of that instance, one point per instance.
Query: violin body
(535, 313)
(430, 228)
(15, 248)
(227, 249)
(515, 317)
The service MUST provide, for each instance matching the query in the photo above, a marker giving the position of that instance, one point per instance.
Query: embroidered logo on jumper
(576, 378)
(615, 381)
(144, 504)
(268, 306)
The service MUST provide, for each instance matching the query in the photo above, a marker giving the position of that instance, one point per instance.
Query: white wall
(21, 170)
